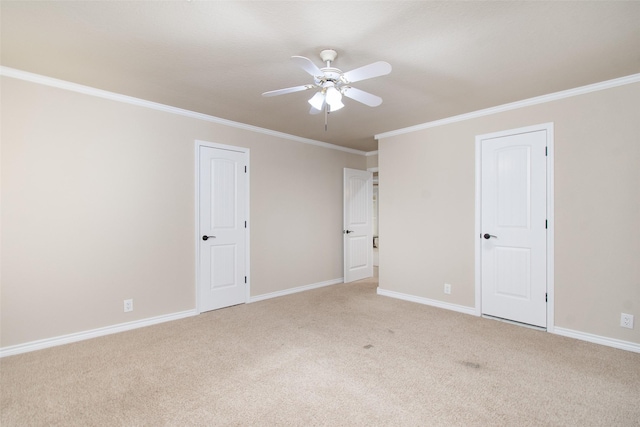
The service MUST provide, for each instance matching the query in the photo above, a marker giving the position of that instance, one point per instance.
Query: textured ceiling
(217, 58)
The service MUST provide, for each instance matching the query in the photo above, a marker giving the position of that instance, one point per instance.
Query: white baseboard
(427, 301)
(94, 333)
(597, 339)
(295, 290)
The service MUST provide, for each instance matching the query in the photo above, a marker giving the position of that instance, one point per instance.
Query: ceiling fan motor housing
(330, 75)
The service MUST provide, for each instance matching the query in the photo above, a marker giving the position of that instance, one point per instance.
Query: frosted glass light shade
(317, 101)
(334, 99)
(335, 106)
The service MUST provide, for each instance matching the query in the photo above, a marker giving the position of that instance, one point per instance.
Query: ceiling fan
(331, 83)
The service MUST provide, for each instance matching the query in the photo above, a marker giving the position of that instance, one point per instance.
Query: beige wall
(427, 208)
(372, 161)
(98, 206)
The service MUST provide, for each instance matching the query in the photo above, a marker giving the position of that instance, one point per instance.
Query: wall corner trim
(427, 301)
(295, 290)
(634, 78)
(597, 339)
(99, 93)
(94, 333)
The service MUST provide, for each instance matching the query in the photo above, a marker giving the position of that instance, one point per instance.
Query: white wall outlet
(128, 305)
(447, 288)
(626, 320)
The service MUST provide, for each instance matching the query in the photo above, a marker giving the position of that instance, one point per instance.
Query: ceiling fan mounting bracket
(328, 55)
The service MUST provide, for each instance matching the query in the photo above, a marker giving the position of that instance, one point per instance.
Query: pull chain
(326, 115)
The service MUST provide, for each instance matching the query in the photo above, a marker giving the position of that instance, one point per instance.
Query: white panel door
(222, 216)
(513, 227)
(358, 224)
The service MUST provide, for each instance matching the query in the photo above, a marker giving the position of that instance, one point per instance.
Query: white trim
(549, 129)
(597, 339)
(86, 90)
(93, 333)
(427, 301)
(247, 272)
(476, 230)
(583, 336)
(634, 78)
(371, 153)
(295, 290)
(375, 169)
(551, 228)
(248, 228)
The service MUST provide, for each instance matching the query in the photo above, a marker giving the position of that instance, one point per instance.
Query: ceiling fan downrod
(328, 56)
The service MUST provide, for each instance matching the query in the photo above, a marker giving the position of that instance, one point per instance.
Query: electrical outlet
(447, 288)
(626, 320)
(128, 305)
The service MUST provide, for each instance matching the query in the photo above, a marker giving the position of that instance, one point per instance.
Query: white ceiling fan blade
(376, 69)
(288, 90)
(307, 65)
(362, 96)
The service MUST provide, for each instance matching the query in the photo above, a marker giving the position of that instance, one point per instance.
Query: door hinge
(245, 169)
(245, 224)
(546, 151)
(245, 279)
(546, 297)
(546, 223)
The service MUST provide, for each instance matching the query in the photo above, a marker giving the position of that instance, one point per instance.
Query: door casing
(197, 236)
(548, 127)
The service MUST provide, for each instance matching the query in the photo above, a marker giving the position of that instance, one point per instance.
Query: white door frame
(196, 239)
(548, 127)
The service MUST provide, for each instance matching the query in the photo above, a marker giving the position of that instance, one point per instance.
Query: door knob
(208, 237)
(348, 231)
(488, 236)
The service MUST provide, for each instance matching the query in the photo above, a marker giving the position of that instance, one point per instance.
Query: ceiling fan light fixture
(334, 99)
(317, 101)
(335, 106)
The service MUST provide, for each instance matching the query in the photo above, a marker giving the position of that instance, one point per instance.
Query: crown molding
(99, 93)
(371, 153)
(634, 78)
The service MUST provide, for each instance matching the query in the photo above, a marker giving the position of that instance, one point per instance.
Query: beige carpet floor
(334, 356)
